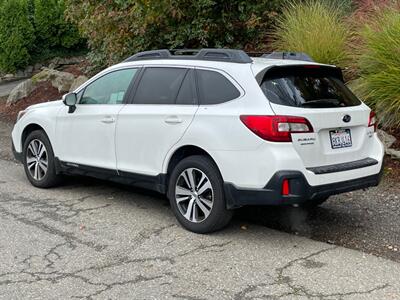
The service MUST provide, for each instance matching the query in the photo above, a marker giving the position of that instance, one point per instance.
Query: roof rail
(225, 55)
(288, 55)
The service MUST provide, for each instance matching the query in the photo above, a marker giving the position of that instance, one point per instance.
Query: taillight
(285, 187)
(276, 128)
(372, 120)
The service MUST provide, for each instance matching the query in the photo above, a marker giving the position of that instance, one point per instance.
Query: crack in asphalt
(68, 236)
(107, 287)
(297, 290)
(185, 297)
(71, 241)
(55, 276)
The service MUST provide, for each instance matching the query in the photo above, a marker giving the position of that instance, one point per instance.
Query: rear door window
(215, 88)
(307, 87)
(159, 85)
(186, 95)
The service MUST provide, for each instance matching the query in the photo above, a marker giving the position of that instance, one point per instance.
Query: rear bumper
(300, 190)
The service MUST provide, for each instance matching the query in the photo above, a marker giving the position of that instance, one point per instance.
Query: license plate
(340, 138)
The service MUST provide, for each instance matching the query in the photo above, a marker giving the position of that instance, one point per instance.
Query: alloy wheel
(37, 159)
(194, 195)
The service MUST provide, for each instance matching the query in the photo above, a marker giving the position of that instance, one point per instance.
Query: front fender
(44, 117)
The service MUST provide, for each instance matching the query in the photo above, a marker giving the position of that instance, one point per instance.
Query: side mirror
(70, 100)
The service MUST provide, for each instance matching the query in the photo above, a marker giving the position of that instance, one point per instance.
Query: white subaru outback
(212, 129)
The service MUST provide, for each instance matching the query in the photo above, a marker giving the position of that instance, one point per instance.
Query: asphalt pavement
(96, 240)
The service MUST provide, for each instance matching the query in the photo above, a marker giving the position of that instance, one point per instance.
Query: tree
(52, 30)
(119, 28)
(16, 35)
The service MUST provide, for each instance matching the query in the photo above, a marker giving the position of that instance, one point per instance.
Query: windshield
(307, 87)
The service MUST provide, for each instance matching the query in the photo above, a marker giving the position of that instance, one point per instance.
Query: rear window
(308, 87)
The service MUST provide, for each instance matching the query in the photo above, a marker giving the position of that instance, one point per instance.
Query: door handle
(108, 120)
(173, 120)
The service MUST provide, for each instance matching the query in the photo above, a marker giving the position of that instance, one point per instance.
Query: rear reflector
(372, 120)
(285, 187)
(276, 128)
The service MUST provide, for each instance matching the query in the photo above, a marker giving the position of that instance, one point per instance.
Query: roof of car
(223, 59)
(257, 62)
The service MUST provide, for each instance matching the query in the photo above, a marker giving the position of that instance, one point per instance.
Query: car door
(87, 136)
(163, 107)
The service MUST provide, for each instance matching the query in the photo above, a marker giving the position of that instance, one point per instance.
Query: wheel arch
(182, 152)
(28, 129)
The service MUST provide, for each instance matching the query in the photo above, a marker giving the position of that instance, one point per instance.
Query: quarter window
(159, 85)
(215, 88)
(108, 89)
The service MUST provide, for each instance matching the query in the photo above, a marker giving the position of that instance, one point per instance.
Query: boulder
(395, 154)
(78, 82)
(37, 67)
(52, 66)
(57, 62)
(29, 70)
(45, 74)
(20, 91)
(63, 82)
(387, 139)
(60, 80)
(20, 74)
(70, 60)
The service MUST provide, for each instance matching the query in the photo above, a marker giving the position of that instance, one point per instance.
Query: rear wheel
(196, 195)
(39, 161)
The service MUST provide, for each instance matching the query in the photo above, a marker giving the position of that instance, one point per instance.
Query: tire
(209, 196)
(35, 165)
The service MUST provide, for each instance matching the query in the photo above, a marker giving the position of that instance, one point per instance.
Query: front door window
(108, 89)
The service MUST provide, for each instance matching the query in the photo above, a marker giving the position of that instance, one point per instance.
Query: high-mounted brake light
(372, 120)
(276, 128)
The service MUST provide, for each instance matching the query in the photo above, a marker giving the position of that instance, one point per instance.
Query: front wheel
(39, 161)
(196, 195)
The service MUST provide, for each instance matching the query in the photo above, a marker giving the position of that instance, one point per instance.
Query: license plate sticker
(340, 138)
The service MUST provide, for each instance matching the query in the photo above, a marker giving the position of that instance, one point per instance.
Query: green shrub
(117, 29)
(35, 30)
(52, 30)
(379, 67)
(47, 16)
(16, 35)
(313, 27)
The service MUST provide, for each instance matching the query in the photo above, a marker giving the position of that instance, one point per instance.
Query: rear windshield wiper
(322, 103)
